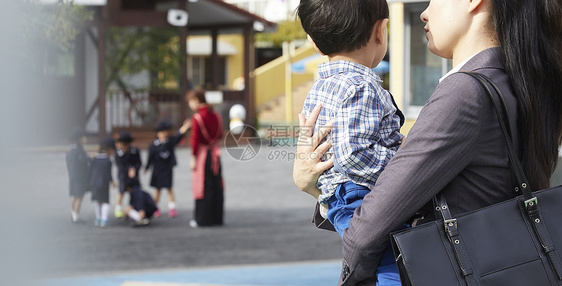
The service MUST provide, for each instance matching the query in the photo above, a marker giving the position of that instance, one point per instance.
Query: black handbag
(512, 243)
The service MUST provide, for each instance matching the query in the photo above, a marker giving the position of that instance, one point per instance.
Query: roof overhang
(202, 14)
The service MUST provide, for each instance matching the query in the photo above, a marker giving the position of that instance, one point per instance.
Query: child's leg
(156, 199)
(97, 210)
(157, 196)
(133, 214)
(139, 217)
(77, 204)
(118, 211)
(171, 195)
(73, 213)
(171, 203)
(341, 206)
(104, 214)
(387, 271)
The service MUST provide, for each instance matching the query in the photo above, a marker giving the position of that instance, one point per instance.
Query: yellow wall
(397, 46)
(270, 78)
(235, 63)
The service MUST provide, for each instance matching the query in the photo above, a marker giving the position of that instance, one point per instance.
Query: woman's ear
(380, 31)
(474, 4)
(310, 40)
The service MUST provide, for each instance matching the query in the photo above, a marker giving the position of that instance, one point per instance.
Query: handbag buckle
(450, 224)
(533, 202)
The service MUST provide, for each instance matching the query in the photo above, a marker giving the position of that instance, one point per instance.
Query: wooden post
(248, 66)
(214, 60)
(101, 73)
(184, 82)
(288, 83)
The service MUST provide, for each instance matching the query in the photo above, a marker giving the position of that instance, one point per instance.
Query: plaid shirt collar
(331, 68)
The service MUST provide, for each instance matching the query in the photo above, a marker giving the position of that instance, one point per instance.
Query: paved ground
(267, 230)
(267, 240)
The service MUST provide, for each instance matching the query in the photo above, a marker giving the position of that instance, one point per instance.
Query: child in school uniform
(141, 205)
(162, 157)
(77, 165)
(127, 158)
(100, 179)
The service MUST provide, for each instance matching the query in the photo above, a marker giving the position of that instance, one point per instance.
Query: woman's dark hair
(197, 93)
(337, 25)
(530, 35)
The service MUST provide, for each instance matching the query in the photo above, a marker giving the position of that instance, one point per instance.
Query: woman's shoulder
(457, 88)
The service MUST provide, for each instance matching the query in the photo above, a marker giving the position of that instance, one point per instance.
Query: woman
(205, 161)
(456, 146)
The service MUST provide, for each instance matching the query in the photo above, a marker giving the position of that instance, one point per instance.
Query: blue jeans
(347, 198)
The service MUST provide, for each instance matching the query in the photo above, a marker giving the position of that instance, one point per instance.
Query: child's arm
(136, 160)
(185, 127)
(149, 159)
(175, 140)
(110, 175)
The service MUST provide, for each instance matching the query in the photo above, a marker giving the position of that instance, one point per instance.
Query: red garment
(213, 124)
(205, 141)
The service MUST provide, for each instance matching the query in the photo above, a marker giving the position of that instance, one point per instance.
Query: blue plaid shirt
(366, 131)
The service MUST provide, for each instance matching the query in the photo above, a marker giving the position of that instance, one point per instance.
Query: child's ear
(310, 40)
(380, 30)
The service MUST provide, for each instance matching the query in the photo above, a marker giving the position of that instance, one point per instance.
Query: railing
(144, 109)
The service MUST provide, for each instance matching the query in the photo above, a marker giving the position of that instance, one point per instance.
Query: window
(200, 71)
(423, 69)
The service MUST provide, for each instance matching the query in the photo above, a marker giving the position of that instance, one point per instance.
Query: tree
(132, 50)
(52, 26)
(287, 31)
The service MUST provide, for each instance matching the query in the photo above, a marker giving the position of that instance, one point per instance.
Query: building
(221, 59)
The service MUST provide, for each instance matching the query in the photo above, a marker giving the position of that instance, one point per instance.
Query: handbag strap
(530, 203)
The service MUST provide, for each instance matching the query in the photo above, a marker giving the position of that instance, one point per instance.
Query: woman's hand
(192, 163)
(308, 166)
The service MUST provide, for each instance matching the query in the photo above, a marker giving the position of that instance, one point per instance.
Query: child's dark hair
(337, 25)
(106, 144)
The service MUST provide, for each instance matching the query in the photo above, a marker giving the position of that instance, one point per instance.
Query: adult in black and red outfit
(205, 161)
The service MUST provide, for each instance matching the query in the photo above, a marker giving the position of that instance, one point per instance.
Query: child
(141, 206)
(161, 155)
(100, 179)
(127, 159)
(366, 128)
(77, 165)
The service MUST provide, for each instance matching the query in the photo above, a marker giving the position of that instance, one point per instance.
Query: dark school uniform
(77, 165)
(162, 155)
(141, 200)
(124, 161)
(100, 177)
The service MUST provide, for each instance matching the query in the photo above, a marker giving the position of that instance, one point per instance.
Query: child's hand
(186, 126)
(113, 184)
(145, 171)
